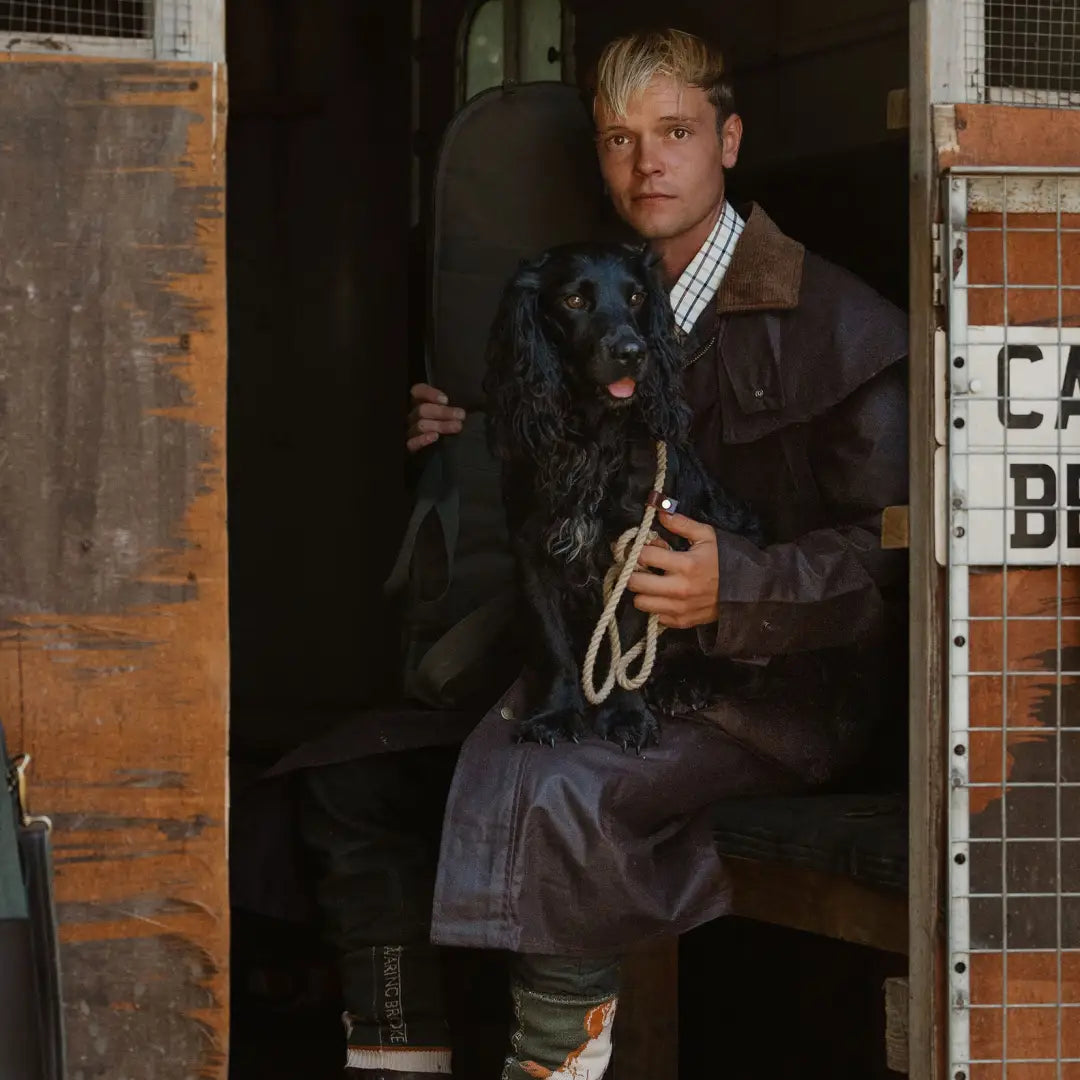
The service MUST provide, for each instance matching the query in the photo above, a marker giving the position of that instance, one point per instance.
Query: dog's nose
(629, 352)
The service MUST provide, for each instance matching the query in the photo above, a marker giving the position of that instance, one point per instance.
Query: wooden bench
(834, 865)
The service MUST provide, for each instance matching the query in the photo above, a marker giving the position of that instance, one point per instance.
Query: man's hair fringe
(628, 64)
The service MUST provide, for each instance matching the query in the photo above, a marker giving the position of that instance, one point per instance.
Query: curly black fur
(584, 376)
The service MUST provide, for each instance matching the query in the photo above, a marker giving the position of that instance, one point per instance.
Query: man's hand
(685, 594)
(430, 417)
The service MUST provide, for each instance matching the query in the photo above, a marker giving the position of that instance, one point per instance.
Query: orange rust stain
(1041, 261)
(1032, 1032)
(1026, 644)
(1023, 696)
(1030, 646)
(987, 1033)
(1003, 135)
(1029, 592)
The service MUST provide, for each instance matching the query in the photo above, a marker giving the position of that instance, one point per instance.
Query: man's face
(664, 161)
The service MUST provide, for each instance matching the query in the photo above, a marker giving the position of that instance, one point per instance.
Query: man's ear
(730, 140)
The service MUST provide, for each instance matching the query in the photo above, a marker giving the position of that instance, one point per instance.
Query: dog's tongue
(623, 388)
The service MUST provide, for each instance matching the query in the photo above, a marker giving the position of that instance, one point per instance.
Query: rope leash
(615, 581)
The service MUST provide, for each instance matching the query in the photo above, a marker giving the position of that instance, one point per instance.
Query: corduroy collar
(765, 271)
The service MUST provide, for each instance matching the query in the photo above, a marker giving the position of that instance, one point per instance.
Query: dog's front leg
(625, 718)
(556, 703)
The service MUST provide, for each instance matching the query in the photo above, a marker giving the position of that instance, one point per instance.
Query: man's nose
(647, 161)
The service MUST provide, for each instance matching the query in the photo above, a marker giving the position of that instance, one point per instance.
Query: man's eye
(680, 133)
(637, 299)
(617, 140)
(574, 301)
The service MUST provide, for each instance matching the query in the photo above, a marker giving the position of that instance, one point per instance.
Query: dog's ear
(527, 402)
(665, 410)
(650, 258)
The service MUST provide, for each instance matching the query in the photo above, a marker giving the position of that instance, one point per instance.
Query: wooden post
(647, 1022)
(113, 605)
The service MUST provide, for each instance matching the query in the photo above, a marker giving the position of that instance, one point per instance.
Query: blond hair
(628, 64)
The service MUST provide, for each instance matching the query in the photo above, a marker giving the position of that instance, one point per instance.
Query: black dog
(584, 376)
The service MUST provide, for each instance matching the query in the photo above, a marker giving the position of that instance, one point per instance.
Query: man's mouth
(652, 196)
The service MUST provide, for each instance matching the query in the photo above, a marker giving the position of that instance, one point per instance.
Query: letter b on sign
(1034, 485)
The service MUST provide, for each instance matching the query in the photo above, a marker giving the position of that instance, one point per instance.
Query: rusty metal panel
(113, 605)
(1014, 755)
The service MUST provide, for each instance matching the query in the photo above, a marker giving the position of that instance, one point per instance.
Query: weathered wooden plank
(929, 61)
(646, 1045)
(113, 605)
(1005, 135)
(820, 903)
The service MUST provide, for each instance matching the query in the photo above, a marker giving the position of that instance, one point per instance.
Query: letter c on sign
(1005, 413)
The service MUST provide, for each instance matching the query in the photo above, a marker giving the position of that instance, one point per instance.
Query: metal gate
(1012, 265)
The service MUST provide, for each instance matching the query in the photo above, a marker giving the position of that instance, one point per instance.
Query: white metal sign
(1022, 393)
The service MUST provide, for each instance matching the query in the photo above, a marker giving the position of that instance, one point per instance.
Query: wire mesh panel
(89, 18)
(1014, 610)
(161, 29)
(1023, 52)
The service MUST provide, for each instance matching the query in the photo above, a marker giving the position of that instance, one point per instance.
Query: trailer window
(484, 60)
(512, 41)
(541, 41)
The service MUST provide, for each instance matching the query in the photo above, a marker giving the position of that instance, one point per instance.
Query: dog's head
(585, 330)
(597, 302)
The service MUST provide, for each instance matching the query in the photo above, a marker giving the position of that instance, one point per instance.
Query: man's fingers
(656, 585)
(661, 558)
(428, 411)
(431, 416)
(425, 392)
(694, 531)
(418, 442)
(671, 613)
(439, 427)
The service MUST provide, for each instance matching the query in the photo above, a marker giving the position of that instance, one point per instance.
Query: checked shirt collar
(700, 281)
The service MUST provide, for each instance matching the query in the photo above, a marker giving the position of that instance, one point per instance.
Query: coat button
(758, 392)
(506, 712)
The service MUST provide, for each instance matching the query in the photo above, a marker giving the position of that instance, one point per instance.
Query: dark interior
(332, 144)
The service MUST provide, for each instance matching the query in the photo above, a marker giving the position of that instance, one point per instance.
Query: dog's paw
(551, 726)
(631, 726)
(679, 690)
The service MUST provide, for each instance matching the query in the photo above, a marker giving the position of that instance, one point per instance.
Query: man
(565, 857)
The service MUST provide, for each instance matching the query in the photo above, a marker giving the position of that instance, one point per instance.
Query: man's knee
(567, 976)
(376, 797)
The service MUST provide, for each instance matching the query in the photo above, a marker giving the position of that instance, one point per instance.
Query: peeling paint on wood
(113, 604)
(1005, 135)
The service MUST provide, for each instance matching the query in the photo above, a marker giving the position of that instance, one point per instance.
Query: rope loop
(626, 551)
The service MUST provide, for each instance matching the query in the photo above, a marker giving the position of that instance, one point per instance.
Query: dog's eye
(637, 299)
(574, 301)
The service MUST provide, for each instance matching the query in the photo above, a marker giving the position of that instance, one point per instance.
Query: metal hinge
(937, 267)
